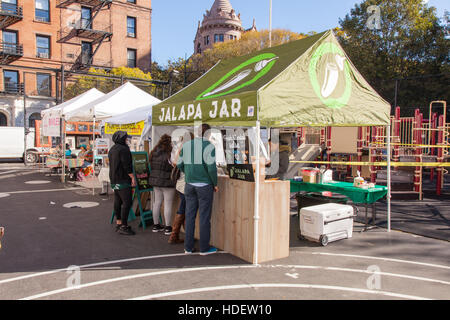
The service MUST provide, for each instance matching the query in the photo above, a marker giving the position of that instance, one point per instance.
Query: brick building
(76, 34)
(219, 24)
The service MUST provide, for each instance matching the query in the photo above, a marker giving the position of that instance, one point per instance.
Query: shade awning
(123, 99)
(73, 104)
(308, 82)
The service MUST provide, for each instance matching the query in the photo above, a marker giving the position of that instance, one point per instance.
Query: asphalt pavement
(63, 253)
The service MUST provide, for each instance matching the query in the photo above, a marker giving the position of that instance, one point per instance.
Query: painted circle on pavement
(81, 204)
(37, 182)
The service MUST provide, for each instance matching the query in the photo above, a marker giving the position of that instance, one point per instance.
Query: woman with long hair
(163, 186)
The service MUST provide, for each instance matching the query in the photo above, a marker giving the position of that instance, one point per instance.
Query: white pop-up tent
(51, 117)
(125, 98)
(140, 118)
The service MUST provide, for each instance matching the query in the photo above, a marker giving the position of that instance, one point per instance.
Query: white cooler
(326, 222)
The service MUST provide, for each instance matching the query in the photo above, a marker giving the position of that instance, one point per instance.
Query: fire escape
(9, 14)
(85, 29)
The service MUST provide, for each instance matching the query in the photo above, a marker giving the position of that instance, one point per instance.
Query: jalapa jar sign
(212, 111)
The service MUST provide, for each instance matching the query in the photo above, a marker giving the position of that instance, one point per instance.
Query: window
(86, 53)
(43, 47)
(218, 38)
(9, 5)
(10, 42)
(11, 81)
(42, 11)
(43, 84)
(3, 120)
(131, 56)
(131, 27)
(32, 119)
(132, 1)
(206, 40)
(86, 18)
(199, 48)
(232, 37)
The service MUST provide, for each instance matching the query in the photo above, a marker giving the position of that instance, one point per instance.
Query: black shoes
(126, 230)
(158, 228)
(168, 230)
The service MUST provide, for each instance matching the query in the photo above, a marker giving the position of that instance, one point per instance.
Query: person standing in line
(122, 180)
(201, 183)
(163, 186)
(181, 183)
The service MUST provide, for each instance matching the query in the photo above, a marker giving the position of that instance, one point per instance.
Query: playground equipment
(414, 141)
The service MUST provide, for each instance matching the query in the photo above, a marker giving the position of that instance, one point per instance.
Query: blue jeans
(182, 208)
(201, 199)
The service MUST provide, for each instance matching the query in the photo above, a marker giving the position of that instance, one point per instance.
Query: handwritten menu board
(141, 169)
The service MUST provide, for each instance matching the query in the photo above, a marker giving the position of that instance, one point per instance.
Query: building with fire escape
(39, 37)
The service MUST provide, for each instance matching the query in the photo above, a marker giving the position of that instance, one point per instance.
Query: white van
(12, 142)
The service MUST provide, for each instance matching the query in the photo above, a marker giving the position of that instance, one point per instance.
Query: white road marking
(47, 190)
(37, 182)
(6, 172)
(276, 285)
(378, 258)
(105, 263)
(295, 276)
(136, 276)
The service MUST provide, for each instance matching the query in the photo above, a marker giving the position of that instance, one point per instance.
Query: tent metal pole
(256, 204)
(93, 157)
(388, 154)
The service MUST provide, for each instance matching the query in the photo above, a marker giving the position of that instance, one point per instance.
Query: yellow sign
(133, 129)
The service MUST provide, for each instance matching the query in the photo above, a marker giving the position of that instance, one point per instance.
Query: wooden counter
(232, 222)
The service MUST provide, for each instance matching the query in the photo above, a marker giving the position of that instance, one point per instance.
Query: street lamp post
(171, 75)
(270, 24)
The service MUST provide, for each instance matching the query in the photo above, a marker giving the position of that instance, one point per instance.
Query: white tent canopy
(123, 99)
(72, 104)
(51, 117)
(133, 116)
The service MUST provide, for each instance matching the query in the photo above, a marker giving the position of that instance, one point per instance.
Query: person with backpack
(164, 187)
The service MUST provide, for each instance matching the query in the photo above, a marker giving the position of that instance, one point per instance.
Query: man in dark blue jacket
(122, 180)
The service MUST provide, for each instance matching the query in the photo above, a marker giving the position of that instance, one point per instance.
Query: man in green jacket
(198, 162)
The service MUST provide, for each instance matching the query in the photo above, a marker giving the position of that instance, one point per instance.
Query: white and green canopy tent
(308, 82)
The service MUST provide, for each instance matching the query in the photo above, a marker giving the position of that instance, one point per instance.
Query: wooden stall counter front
(232, 221)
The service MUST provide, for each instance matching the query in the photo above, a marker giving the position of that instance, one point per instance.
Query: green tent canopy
(308, 82)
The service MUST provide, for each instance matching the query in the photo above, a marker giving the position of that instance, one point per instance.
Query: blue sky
(174, 22)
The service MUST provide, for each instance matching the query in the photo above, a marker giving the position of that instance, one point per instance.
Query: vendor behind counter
(284, 150)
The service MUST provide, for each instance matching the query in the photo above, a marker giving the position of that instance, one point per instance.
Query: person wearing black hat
(122, 180)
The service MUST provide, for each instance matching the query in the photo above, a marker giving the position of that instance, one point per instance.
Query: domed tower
(220, 24)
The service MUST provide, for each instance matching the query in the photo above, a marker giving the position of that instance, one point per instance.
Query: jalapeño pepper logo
(251, 70)
(334, 70)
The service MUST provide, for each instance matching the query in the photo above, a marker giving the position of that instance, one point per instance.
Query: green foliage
(410, 43)
(193, 68)
(106, 83)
